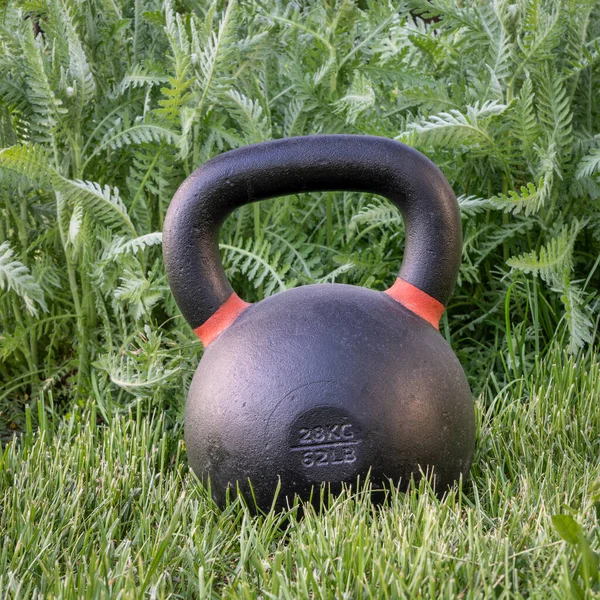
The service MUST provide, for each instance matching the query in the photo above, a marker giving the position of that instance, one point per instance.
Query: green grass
(106, 507)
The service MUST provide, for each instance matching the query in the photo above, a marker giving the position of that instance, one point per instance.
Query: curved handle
(310, 164)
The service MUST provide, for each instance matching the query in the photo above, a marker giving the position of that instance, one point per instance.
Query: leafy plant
(587, 574)
(105, 107)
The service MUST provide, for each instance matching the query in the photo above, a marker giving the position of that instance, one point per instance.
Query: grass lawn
(106, 507)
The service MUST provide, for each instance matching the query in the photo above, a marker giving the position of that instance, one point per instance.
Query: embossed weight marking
(324, 458)
(324, 445)
(326, 433)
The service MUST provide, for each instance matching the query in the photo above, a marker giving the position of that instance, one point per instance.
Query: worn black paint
(325, 382)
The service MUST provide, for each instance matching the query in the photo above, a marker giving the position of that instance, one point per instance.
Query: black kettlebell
(326, 382)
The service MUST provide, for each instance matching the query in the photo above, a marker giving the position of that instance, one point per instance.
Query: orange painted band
(417, 301)
(225, 315)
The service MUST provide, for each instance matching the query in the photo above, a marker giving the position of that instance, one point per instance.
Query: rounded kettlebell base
(327, 384)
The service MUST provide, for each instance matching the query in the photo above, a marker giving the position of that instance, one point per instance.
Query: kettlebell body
(324, 383)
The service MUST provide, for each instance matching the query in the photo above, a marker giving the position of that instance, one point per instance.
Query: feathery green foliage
(104, 111)
(15, 276)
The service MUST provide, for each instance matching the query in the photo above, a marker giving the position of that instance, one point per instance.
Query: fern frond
(15, 276)
(48, 108)
(555, 112)
(379, 212)
(139, 132)
(332, 276)
(528, 200)
(254, 260)
(103, 202)
(141, 382)
(548, 166)
(30, 161)
(178, 92)
(145, 365)
(298, 252)
(499, 59)
(13, 91)
(75, 224)
(526, 127)
(326, 72)
(588, 58)
(84, 87)
(360, 98)
(472, 205)
(493, 237)
(456, 128)
(577, 317)
(122, 245)
(141, 76)
(140, 292)
(294, 117)
(216, 51)
(541, 33)
(249, 115)
(553, 260)
(589, 164)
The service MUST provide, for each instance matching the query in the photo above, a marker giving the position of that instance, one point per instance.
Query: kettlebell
(324, 383)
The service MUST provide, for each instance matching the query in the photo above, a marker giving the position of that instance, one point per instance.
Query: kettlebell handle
(316, 163)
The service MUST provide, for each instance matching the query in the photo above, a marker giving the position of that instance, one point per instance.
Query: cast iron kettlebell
(326, 382)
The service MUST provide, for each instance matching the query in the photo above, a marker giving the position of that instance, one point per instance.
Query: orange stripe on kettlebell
(417, 301)
(225, 315)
